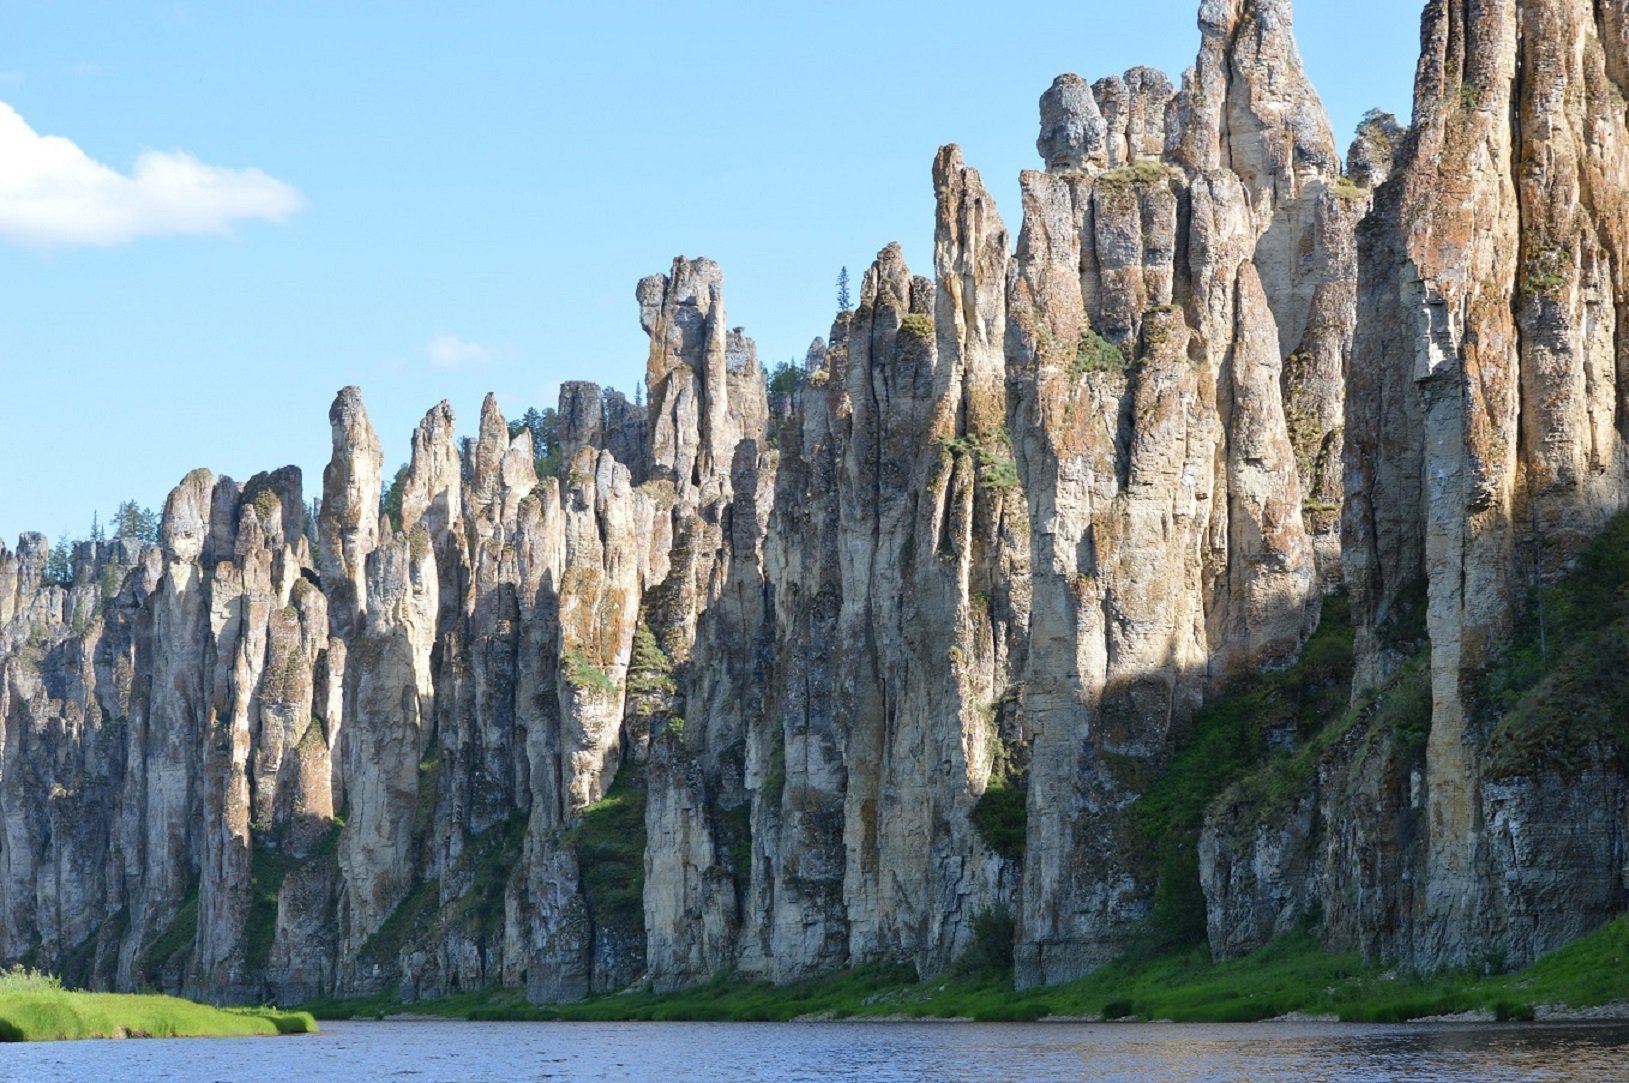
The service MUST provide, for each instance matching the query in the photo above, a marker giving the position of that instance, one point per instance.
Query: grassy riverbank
(1294, 974)
(35, 1008)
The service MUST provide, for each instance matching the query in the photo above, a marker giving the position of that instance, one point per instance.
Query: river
(430, 1052)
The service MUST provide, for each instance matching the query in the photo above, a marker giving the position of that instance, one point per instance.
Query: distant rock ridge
(738, 689)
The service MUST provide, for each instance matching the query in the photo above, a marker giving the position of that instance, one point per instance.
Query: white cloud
(54, 195)
(450, 351)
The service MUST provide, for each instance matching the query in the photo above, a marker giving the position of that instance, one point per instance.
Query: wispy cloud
(54, 195)
(450, 351)
(84, 69)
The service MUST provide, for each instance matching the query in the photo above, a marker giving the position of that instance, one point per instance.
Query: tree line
(130, 520)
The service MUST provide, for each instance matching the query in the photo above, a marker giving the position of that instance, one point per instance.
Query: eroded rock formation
(783, 683)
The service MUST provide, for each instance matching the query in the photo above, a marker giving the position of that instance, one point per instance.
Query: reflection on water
(791, 1052)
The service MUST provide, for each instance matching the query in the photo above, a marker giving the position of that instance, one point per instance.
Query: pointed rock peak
(438, 421)
(966, 213)
(492, 443)
(492, 424)
(1376, 149)
(888, 281)
(348, 524)
(519, 471)
(1073, 133)
(353, 438)
(185, 524)
(1253, 94)
(349, 417)
(678, 310)
(520, 449)
(431, 490)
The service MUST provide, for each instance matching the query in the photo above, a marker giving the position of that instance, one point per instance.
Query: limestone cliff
(783, 683)
(1485, 448)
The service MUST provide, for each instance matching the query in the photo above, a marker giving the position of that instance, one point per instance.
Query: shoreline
(1293, 979)
(1546, 1015)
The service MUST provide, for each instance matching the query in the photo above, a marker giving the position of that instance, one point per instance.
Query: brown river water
(428, 1052)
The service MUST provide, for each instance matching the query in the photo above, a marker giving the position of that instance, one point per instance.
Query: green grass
(610, 845)
(410, 917)
(268, 869)
(584, 676)
(1556, 697)
(35, 1008)
(1229, 743)
(496, 853)
(177, 938)
(1292, 974)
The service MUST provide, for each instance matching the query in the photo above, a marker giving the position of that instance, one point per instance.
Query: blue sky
(434, 200)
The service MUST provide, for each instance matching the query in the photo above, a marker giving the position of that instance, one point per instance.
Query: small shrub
(650, 671)
(1508, 1011)
(775, 776)
(582, 675)
(662, 492)
(22, 979)
(998, 473)
(990, 953)
(267, 505)
(1094, 353)
(918, 326)
(1001, 816)
(111, 582)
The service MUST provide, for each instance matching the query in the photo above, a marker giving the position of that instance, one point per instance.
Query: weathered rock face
(787, 682)
(1492, 449)
(1014, 523)
(1483, 451)
(1182, 313)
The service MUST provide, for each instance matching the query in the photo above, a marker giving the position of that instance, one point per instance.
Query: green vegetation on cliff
(1277, 721)
(1558, 697)
(610, 845)
(35, 1007)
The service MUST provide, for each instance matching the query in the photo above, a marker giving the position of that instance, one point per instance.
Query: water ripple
(449, 1052)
